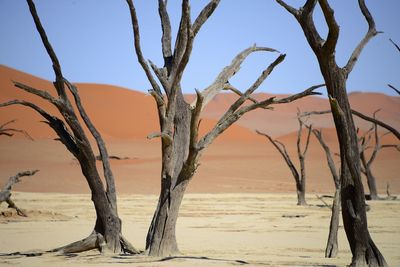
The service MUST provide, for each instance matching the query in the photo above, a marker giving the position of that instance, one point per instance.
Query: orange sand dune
(240, 161)
(116, 112)
(282, 119)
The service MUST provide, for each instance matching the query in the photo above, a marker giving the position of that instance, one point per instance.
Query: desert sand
(213, 230)
(240, 207)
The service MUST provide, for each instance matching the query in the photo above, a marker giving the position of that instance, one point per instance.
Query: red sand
(240, 161)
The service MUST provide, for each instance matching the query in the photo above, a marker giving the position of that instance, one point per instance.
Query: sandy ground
(213, 230)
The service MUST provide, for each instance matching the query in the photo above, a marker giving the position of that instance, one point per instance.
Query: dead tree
(106, 235)
(363, 145)
(364, 250)
(331, 250)
(5, 193)
(5, 130)
(179, 121)
(367, 162)
(298, 175)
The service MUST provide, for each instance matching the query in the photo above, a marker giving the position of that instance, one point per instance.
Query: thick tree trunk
(331, 250)
(364, 251)
(161, 237)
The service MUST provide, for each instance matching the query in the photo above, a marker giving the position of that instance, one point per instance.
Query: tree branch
(59, 84)
(360, 115)
(331, 164)
(55, 123)
(230, 87)
(333, 34)
(165, 136)
(282, 150)
(109, 177)
(378, 122)
(368, 36)
(395, 45)
(166, 35)
(227, 72)
(138, 50)
(394, 88)
(6, 131)
(207, 11)
(289, 8)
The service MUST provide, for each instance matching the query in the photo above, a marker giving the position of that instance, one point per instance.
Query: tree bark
(161, 237)
(332, 249)
(363, 249)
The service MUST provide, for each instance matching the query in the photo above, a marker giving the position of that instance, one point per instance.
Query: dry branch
(10, 131)
(5, 193)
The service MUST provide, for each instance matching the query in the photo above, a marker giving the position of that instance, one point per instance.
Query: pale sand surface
(213, 230)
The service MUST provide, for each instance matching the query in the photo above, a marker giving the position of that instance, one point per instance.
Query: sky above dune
(94, 43)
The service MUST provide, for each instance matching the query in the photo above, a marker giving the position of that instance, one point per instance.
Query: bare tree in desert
(367, 162)
(5, 193)
(364, 250)
(179, 121)
(106, 235)
(331, 250)
(298, 175)
(363, 145)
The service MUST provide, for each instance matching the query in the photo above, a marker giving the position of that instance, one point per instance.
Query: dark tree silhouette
(181, 146)
(364, 250)
(298, 175)
(106, 235)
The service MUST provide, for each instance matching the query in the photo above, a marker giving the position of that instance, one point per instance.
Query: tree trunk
(331, 250)
(161, 237)
(373, 191)
(301, 193)
(364, 251)
(106, 235)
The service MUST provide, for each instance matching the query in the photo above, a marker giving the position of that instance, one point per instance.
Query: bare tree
(367, 162)
(331, 250)
(364, 250)
(179, 121)
(5, 193)
(298, 175)
(363, 145)
(106, 235)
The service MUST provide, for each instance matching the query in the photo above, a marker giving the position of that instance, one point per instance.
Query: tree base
(96, 241)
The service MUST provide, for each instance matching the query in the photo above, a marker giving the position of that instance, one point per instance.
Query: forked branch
(368, 36)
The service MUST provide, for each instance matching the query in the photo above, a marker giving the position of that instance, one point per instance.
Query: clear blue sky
(93, 40)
